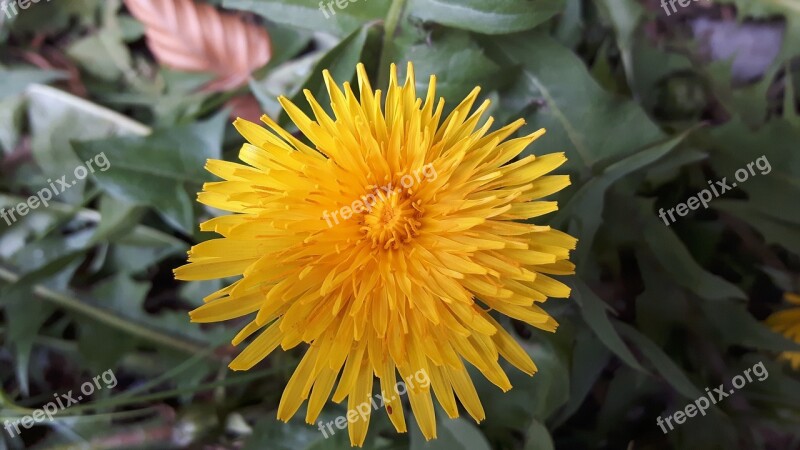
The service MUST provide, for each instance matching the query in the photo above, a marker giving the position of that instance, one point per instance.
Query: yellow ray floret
(385, 242)
(787, 323)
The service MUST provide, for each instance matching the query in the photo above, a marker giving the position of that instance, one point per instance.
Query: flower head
(787, 323)
(382, 244)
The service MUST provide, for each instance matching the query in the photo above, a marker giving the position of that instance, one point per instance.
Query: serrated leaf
(457, 61)
(591, 125)
(162, 170)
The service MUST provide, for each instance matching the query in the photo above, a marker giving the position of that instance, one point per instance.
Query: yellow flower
(787, 323)
(383, 245)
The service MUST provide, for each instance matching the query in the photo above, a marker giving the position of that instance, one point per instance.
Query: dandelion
(407, 283)
(787, 323)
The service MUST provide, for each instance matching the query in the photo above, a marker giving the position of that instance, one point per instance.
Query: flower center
(392, 220)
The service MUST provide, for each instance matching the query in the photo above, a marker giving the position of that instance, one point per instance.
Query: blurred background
(652, 102)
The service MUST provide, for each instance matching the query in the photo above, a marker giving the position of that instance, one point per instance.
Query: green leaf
(790, 112)
(272, 434)
(289, 77)
(676, 260)
(493, 17)
(781, 386)
(103, 54)
(650, 66)
(311, 15)
(737, 326)
(769, 160)
(160, 170)
(51, 16)
(25, 317)
(340, 61)
(593, 310)
(145, 330)
(571, 24)
(57, 117)
(452, 434)
(287, 43)
(15, 81)
(652, 312)
(774, 230)
(118, 219)
(538, 437)
(591, 125)
(11, 113)
(457, 61)
(625, 16)
(585, 208)
(137, 252)
(621, 394)
(193, 292)
(589, 359)
(532, 397)
(101, 345)
(661, 362)
(549, 388)
(141, 237)
(39, 253)
(131, 29)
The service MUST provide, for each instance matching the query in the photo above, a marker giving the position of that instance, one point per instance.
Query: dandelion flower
(381, 244)
(787, 323)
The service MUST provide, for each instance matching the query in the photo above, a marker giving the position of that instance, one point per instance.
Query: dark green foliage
(632, 96)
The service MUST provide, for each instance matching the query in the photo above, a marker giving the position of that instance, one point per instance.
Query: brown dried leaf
(196, 37)
(246, 107)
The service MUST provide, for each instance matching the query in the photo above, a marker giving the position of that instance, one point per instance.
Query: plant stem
(389, 29)
(122, 400)
(107, 318)
(172, 373)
